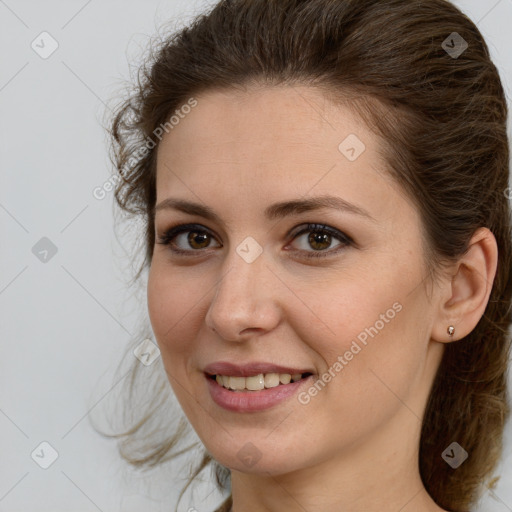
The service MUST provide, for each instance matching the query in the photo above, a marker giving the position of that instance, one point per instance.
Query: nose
(246, 300)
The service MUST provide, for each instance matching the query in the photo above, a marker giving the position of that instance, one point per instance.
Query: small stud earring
(451, 330)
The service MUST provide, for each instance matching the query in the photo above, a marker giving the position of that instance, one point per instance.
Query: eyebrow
(272, 212)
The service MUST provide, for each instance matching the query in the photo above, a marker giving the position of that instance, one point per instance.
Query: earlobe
(467, 293)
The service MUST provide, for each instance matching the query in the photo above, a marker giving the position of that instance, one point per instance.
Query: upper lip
(250, 369)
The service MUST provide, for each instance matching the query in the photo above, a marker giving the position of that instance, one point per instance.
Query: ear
(466, 292)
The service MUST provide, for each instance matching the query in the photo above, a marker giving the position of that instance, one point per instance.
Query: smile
(245, 399)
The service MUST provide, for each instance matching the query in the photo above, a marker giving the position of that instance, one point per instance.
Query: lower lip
(250, 401)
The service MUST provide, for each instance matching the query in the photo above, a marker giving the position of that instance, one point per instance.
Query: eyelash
(173, 232)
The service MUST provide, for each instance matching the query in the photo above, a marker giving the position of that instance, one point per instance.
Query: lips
(251, 369)
(246, 401)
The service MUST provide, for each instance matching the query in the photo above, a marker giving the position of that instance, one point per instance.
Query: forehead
(260, 115)
(268, 127)
(270, 144)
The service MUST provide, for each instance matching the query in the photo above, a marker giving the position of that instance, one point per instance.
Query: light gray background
(65, 323)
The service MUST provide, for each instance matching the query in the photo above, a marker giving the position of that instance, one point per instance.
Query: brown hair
(442, 120)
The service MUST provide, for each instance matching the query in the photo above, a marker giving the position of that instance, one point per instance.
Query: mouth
(255, 393)
(258, 382)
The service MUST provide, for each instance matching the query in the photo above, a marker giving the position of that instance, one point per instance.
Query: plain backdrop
(66, 313)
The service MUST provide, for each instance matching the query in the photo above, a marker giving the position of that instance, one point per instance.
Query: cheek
(160, 303)
(342, 311)
(172, 306)
(363, 326)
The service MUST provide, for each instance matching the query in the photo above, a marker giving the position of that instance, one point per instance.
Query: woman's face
(248, 289)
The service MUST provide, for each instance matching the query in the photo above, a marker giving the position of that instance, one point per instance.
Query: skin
(354, 446)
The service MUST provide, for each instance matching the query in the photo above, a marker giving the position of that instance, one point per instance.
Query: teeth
(256, 382)
(271, 380)
(285, 378)
(235, 382)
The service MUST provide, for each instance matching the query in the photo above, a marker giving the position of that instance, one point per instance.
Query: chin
(255, 457)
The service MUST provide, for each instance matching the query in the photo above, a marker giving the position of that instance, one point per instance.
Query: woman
(324, 187)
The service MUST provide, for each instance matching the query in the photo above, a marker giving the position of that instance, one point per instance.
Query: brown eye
(186, 238)
(320, 238)
(202, 239)
(319, 241)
